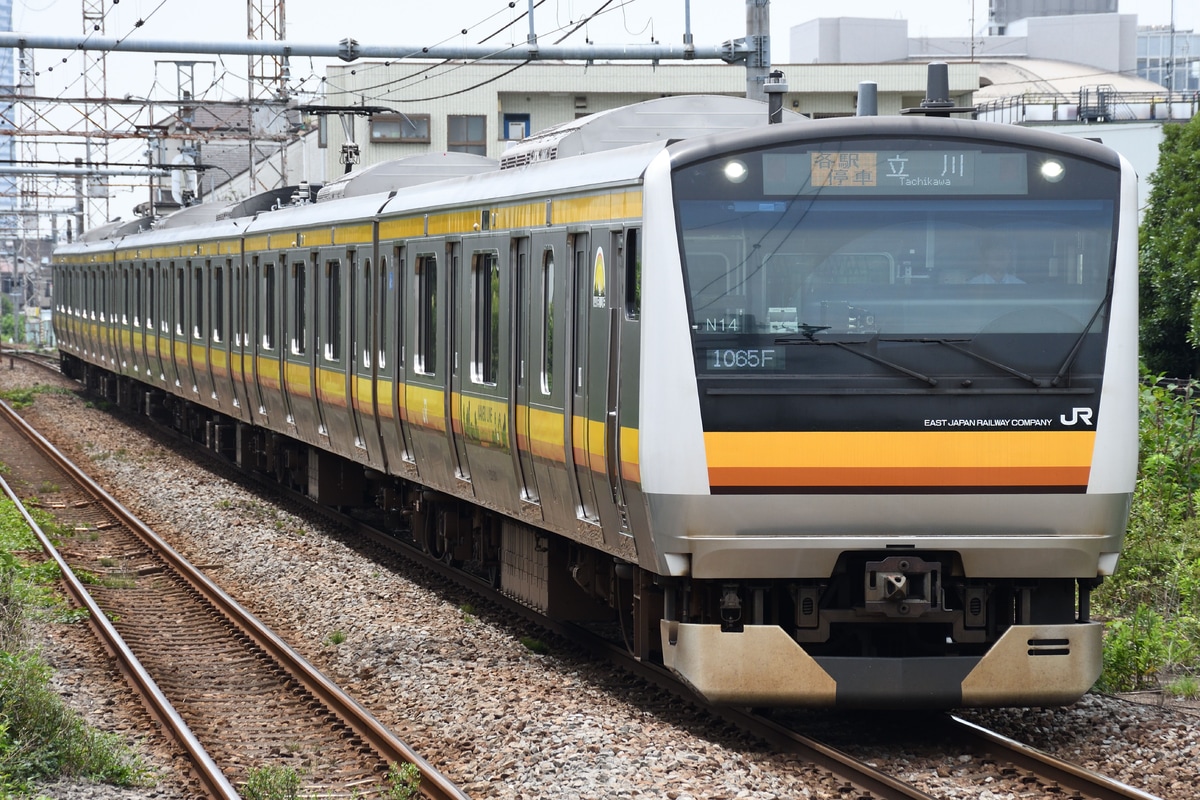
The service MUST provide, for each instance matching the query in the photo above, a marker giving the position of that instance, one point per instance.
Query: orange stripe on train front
(894, 458)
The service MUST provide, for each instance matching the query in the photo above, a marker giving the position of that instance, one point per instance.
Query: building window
(466, 134)
(322, 131)
(516, 126)
(412, 128)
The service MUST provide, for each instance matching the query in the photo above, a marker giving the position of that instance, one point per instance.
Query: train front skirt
(763, 666)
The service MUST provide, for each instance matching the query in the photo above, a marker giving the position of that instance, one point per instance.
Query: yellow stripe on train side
(425, 406)
(899, 459)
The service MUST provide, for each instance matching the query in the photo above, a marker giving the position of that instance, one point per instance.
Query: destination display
(895, 172)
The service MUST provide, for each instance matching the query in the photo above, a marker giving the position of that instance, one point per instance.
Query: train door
(485, 399)
(107, 316)
(299, 363)
(180, 373)
(458, 336)
(548, 344)
(200, 351)
(601, 380)
(260, 330)
(426, 383)
(149, 322)
(222, 329)
(122, 320)
(525, 335)
(267, 365)
(614, 372)
(578, 417)
(389, 363)
(239, 339)
(330, 374)
(365, 307)
(167, 325)
(137, 319)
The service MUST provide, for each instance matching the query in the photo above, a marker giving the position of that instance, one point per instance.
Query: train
(750, 396)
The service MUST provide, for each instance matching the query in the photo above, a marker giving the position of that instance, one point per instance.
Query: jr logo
(1078, 415)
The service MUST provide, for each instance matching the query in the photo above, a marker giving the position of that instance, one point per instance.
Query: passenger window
(299, 315)
(485, 349)
(270, 299)
(198, 303)
(333, 310)
(547, 322)
(425, 353)
(218, 304)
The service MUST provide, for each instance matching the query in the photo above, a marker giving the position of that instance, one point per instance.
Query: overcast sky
(431, 22)
(420, 22)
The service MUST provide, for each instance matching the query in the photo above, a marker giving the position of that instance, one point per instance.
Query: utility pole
(758, 38)
(268, 81)
(95, 92)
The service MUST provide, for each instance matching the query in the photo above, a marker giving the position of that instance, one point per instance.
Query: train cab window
(425, 352)
(299, 308)
(547, 322)
(218, 304)
(269, 305)
(485, 323)
(198, 303)
(333, 310)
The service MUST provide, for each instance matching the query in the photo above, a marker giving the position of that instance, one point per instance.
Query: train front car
(900, 454)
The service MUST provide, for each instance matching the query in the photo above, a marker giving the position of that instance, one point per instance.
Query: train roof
(402, 173)
(850, 128)
(660, 119)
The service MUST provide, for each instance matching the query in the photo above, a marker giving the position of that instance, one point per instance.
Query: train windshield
(897, 259)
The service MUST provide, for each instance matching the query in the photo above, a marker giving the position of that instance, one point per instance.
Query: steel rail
(1044, 765)
(842, 765)
(206, 771)
(433, 784)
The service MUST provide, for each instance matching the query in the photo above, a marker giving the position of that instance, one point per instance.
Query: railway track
(1023, 768)
(232, 694)
(1055, 774)
(1010, 760)
(44, 360)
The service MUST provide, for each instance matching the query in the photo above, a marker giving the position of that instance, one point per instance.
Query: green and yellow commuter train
(825, 413)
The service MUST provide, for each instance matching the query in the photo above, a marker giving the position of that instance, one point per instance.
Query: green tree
(1170, 256)
(12, 326)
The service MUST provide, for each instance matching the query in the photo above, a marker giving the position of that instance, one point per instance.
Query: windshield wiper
(808, 339)
(953, 345)
(1070, 359)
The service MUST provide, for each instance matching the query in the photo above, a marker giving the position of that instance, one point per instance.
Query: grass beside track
(40, 738)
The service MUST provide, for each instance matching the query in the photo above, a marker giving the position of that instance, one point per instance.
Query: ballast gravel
(463, 689)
